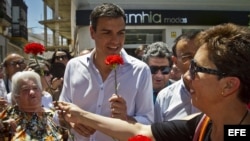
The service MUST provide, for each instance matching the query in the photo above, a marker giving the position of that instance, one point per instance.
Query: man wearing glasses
(174, 101)
(158, 57)
(12, 64)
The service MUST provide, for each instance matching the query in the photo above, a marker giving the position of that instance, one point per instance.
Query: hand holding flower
(118, 107)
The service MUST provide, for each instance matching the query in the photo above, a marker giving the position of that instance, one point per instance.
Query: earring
(222, 93)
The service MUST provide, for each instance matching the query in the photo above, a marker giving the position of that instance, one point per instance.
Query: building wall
(84, 38)
(3, 48)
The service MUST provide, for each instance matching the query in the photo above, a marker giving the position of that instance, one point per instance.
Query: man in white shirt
(90, 83)
(174, 101)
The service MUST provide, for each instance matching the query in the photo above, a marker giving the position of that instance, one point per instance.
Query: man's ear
(232, 84)
(92, 31)
(174, 59)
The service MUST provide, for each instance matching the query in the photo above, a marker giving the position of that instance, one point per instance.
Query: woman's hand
(69, 111)
(71, 114)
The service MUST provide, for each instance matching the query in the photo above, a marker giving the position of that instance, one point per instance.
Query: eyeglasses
(14, 63)
(163, 69)
(194, 68)
(62, 57)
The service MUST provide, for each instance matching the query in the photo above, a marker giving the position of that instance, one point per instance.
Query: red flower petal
(114, 60)
(34, 48)
(139, 138)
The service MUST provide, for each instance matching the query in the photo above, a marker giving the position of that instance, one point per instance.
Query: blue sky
(35, 14)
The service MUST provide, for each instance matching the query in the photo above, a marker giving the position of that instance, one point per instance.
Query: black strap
(6, 82)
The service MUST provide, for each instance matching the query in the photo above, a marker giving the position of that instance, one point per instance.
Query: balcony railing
(5, 20)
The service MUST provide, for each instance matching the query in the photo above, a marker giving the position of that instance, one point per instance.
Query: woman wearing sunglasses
(219, 83)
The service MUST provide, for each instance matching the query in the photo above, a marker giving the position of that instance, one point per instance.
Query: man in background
(158, 57)
(12, 64)
(174, 101)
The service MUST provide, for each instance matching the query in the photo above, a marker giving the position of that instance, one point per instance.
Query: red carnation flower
(34, 48)
(139, 138)
(114, 60)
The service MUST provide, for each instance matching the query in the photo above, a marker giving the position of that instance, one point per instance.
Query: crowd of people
(164, 93)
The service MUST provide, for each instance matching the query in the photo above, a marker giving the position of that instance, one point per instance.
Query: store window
(136, 37)
(143, 36)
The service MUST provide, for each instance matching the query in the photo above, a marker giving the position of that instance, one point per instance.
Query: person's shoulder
(83, 59)
(136, 62)
(170, 88)
(135, 65)
(168, 92)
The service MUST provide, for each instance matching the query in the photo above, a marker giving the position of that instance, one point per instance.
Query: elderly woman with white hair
(28, 119)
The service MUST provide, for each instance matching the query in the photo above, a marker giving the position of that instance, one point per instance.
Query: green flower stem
(41, 70)
(116, 88)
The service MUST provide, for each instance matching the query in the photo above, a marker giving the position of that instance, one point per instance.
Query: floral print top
(30, 126)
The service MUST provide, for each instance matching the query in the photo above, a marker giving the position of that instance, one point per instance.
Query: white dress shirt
(84, 87)
(3, 92)
(173, 102)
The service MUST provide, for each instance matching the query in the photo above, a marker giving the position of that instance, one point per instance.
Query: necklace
(243, 118)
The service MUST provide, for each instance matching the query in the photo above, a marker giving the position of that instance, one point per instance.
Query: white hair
(17, 79)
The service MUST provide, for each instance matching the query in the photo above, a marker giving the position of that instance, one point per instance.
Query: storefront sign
(175, 17)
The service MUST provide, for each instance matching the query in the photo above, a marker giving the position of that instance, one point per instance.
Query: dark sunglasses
(14, 63)
(63, 57)
(194, 68)
(163, 69)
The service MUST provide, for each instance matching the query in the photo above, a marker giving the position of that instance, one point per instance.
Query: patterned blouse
(30, 126)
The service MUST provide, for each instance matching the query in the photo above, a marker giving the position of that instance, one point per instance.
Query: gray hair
(17, 79)
(157, 49)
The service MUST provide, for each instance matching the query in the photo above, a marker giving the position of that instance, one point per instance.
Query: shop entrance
(136, 37)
